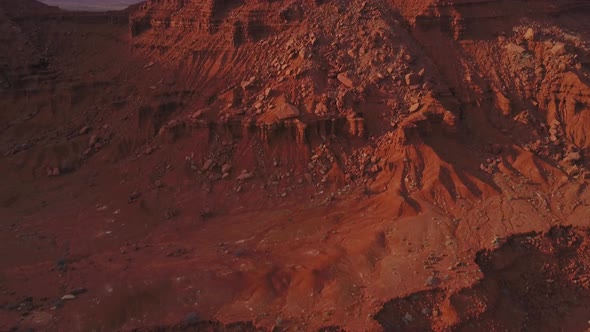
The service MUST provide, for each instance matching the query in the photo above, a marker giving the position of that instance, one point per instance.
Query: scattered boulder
(84, 130)
(503, 103)
(245, 176)
(197, 114)
(321, 109)
(408, 58)
(148, 150)
(134, 196)
(248, 83)
(346, 80)
(208, 164)
(558, 49)
(413, 79)
(286, 111)
(572, 157)
(53, 171)
(513, 48)
(529, 34)
(68, 297)
(93, 140)
(226, 168)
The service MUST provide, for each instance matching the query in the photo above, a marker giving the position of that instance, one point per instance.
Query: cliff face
(239, 21)
(268, 53)
(292, 164)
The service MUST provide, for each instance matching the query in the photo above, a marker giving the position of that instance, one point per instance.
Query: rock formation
(320, 165)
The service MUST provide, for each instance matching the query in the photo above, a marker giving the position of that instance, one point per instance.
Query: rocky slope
(274, 165)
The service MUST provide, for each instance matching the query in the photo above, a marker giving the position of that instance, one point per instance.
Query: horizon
(91, 5)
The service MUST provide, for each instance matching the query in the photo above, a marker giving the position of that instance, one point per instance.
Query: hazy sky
(91, 4)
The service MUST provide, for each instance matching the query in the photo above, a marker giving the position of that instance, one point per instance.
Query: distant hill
(91, 5)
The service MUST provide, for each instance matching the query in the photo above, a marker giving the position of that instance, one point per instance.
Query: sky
(94, 5)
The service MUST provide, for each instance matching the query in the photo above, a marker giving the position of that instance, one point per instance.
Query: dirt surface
(295, 165)
(533, 282)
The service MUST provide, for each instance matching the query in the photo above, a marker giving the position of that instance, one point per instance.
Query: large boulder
(413, 79)
(346, 80)
(283, 112)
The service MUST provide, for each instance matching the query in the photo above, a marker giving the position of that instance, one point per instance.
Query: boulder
(513, 48)
(413, 79)
(572, 157)
(226, 168)
(247, 84)
(287, 111)
(503, 103)
(346, 80)
(321, 109)
(84, 130)
(134, 196)
(245, 176)
(284, 112)
(558, 49)
(529, 34)
(93, 140)
(208, 164)
(197, 114)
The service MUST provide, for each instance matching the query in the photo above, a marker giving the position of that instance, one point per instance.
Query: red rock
(245, 175)
(284, 112)
(93, 140)
(413, 79)
(84, 130)
(226, 168)
(513, 48)
(529, 34)
(345, 79)
(572, 157)
(558, 49)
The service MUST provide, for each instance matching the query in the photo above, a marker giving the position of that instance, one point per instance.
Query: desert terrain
(91, 5)
(295, 165)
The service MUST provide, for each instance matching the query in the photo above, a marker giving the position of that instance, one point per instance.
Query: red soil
(295, 165)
